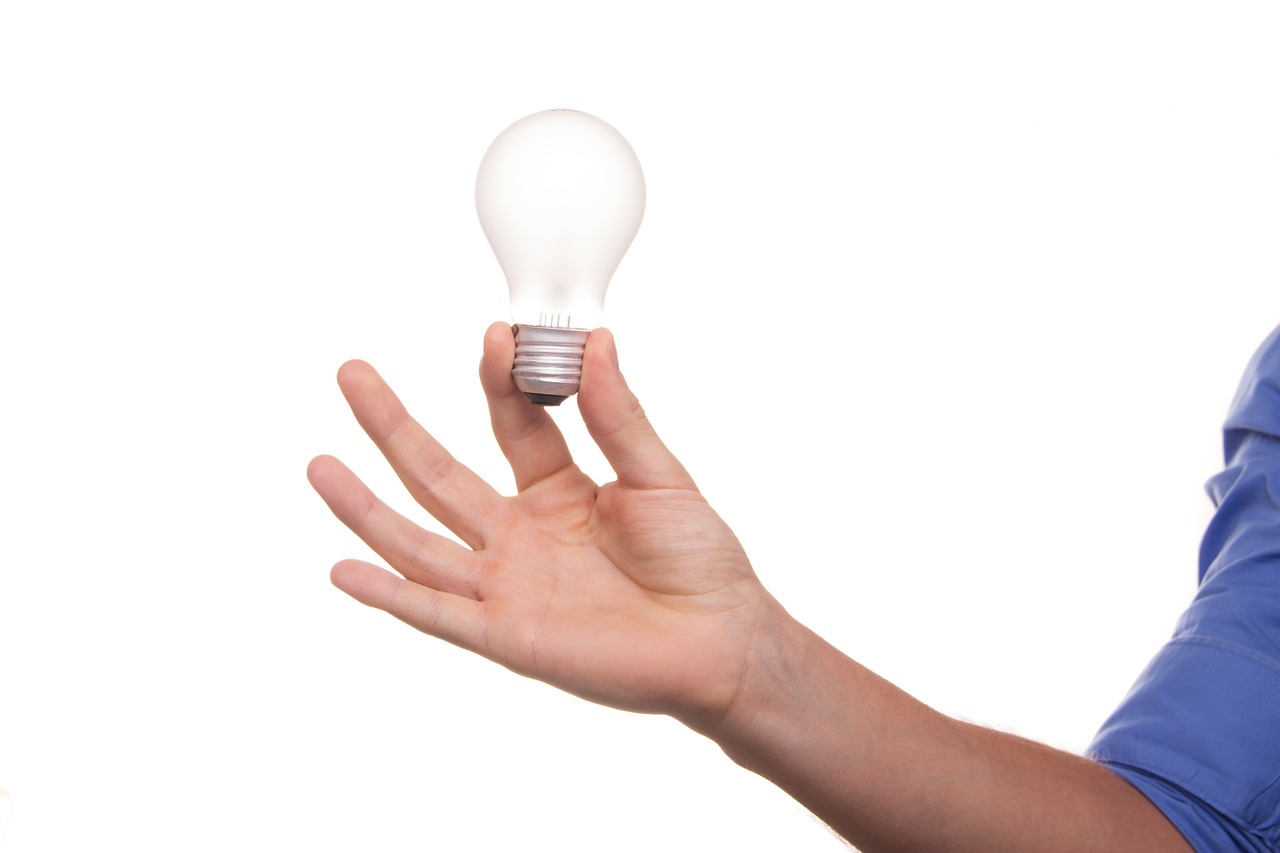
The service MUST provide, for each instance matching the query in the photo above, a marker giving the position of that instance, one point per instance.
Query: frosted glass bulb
(560, 195)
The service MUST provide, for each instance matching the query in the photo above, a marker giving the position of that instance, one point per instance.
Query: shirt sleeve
(1199, 732)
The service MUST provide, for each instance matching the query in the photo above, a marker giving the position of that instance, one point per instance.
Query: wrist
(837, 737)
(773, 689)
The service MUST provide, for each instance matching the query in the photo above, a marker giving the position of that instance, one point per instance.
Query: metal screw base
(548, 362)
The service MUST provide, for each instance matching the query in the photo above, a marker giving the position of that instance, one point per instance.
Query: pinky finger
(453, 618)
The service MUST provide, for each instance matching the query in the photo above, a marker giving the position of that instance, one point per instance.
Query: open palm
(633, 594)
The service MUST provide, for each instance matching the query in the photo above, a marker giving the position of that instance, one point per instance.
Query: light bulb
(560, 195)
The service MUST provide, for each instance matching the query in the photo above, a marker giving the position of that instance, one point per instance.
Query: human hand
(633, 594)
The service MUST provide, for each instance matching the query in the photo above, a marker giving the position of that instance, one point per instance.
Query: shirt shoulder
(1199, 732)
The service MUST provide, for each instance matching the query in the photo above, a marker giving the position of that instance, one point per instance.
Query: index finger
(529, 438)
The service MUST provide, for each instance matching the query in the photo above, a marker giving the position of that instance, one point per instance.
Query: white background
(943, 305)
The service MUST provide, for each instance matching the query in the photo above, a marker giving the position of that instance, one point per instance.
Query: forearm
(890, 774)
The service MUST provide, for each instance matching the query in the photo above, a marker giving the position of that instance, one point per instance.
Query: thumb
(618, 424)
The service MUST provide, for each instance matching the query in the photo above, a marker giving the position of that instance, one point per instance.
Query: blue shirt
(1199, 733)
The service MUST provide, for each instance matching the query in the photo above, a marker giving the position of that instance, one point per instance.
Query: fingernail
(613, 354)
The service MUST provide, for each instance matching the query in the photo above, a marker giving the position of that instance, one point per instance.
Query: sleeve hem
(1197, 735)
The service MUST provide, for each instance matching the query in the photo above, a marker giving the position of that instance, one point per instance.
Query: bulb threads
(548, 362)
